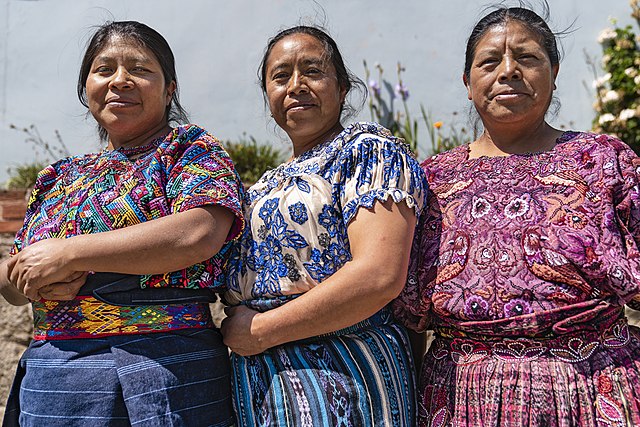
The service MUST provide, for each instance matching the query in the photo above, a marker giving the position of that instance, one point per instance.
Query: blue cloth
(142, 380)
(361, 376)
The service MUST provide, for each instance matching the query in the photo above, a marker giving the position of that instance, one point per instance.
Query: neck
(302, 144)
(128, 141)
(503, 141)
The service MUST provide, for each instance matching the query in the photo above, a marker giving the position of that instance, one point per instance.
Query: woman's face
(303, 91)
(126, 91)
(511, 79)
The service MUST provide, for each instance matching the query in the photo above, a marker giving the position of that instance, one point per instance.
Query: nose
(509, 69)
(121, 79)
(297, 84)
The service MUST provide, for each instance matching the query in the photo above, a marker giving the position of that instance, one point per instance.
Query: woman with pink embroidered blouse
(527, 255)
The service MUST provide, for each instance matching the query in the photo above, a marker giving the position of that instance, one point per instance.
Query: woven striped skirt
(358, 377)
(176, 378)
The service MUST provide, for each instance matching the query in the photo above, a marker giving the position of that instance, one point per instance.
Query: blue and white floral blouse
(297, 214)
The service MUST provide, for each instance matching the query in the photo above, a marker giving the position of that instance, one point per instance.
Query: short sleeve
(627, 206)
(375, 168)
(199, 173)
(45, 181)
(413, 306)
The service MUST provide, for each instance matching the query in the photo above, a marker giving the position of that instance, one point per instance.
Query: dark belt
(124, 290)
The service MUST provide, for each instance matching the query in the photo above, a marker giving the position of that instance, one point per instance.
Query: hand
(40, 264)
(66, 290)
(238, 331)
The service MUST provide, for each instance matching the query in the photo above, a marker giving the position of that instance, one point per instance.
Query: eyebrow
(306, 62)
(139, 59)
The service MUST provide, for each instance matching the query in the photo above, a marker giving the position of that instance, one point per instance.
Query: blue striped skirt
(357, 377)
(176, 378)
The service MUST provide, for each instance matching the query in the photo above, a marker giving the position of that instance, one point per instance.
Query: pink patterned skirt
(585, 379)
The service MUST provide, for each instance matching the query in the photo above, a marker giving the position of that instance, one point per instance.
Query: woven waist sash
(113, 304)
(572, 347)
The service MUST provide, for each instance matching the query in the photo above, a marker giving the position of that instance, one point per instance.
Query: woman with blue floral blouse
(325, 250)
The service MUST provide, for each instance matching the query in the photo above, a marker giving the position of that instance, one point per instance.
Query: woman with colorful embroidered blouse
(527, 254)
(159, 204)
(325, 250)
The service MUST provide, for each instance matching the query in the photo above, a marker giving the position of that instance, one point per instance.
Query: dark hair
(501, 16)
(346, 79)
(534, 22)
(145, 36)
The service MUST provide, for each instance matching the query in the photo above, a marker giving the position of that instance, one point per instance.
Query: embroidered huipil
(296, 237)
(106, 191)
(522, 265)
(298, 213)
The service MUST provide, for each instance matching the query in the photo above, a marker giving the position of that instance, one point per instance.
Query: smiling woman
(121, 251)
(311, 277)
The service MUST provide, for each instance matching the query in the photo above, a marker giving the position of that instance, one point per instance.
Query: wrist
(72, 251)
(260, 329)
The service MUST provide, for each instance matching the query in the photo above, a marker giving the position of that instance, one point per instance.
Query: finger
(63, 291)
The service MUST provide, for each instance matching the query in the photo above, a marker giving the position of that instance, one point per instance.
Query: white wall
(218, 45)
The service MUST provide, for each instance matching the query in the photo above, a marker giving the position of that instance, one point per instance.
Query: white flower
(606, 35)
(631, 71)
(600, 81)
(636, 80)
(606, 118)
(605, 59)
(626, 114)
(610, 96)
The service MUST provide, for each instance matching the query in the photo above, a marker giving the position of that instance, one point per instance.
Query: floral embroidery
(298, 212)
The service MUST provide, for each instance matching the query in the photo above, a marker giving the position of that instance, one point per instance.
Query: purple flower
(374, 86)
(476, 307)
(402, 91)
(517, 307)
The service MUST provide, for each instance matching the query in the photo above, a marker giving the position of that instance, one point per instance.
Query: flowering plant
(399, 120)
(617, 103)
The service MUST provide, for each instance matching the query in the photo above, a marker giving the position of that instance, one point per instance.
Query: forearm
(7, 289)
(351, 295)
(159, 246)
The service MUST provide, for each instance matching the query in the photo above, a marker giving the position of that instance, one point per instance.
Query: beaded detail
(571, 348)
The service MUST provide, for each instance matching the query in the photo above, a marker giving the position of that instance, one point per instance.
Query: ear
(466, 83)
(343, 95)
(170, 90)
(556, 68)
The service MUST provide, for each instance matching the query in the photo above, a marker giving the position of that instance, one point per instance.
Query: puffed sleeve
(374, 168)
(196, 171)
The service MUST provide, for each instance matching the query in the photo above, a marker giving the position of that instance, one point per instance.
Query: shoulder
(606, 144)
(447, 159)
(362, 135)
(191, 134)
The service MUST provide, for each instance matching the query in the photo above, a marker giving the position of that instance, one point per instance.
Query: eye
(488, 62)
(280, 76)
(103, 69)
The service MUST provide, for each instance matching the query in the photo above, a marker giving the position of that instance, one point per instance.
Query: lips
(300, 106)
(120, 102)
(508, 94)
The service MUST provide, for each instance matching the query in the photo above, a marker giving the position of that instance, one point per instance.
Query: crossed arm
(57, 268)
(380, 241)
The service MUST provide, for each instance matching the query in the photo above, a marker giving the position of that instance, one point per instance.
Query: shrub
(617, 103)
(252, 159)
